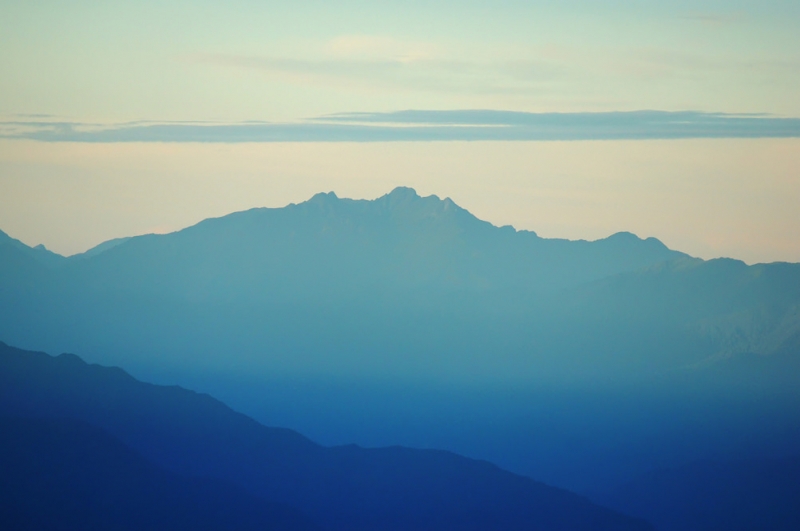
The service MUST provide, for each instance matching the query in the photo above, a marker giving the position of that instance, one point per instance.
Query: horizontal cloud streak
(416, 125)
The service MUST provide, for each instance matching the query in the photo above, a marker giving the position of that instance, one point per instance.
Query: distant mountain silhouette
(10, 247)
(759, 494)
(329, 282)
(330, 245)
(103, 247)
(257, 281)
(342, 488)
(59, 474)
(406, 319)
(724, 312)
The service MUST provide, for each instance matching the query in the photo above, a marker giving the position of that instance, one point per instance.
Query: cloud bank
(424, 125)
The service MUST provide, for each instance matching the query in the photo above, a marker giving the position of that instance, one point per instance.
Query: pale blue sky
(283, 61)
(130, 70)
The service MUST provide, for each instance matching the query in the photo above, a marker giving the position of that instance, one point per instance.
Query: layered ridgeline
(65, 475)
(88, 447)
(408, 320)
(385, 285)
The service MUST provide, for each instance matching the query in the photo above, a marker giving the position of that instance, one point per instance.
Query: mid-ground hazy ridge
(347, 487)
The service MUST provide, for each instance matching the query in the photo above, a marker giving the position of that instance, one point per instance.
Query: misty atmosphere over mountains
(405, 320)
(345, 487)
(400, 266)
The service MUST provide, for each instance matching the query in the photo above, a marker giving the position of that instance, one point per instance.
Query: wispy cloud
(423, 125)
(376, 47)
(375, 64)
(543, 77)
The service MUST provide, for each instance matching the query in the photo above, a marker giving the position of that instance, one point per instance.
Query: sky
(119, 118)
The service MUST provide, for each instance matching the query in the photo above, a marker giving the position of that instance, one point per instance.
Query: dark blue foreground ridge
(63, 474)
(340, 488)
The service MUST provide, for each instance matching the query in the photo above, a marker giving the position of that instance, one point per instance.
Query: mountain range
(407, 320)
(89, 447)
(63, 474)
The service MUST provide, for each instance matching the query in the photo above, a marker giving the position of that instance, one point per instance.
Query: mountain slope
(399, 241)
(39, 253)
(737, 315)
(58, 474)
(717, 496)
(302, 283)
(340, 487)
(22, 267)
(406, 320)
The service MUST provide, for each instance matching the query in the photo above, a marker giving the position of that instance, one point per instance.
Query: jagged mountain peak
(324, 197)
(399, 197)
(403, 200)
(404, 192)
(397, 240)
(402, 206)
(39, 253)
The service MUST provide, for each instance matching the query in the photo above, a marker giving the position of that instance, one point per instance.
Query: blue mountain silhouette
(406, 319)
(341, 488)
(62, 474)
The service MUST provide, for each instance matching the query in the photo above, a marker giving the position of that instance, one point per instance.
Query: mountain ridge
(345, 487)
(63, 474)
(399, 197)
(336, 316)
